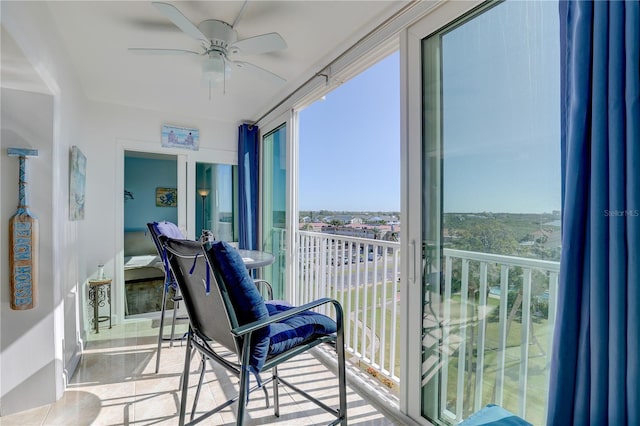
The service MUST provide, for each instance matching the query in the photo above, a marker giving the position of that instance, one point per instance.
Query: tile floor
(115, 384)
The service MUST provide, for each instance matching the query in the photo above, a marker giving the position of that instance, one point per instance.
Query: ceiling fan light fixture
(213, 68)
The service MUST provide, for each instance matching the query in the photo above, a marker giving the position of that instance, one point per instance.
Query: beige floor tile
(156, 406)
(32, 417)
(75, 407)
(116, 384)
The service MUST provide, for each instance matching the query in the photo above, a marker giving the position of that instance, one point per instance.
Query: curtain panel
(248, 153)
(595, 370)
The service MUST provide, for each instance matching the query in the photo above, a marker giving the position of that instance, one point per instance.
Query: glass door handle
(412, 276)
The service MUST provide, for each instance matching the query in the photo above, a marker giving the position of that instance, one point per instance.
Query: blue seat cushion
(297, 329)
(245, 298)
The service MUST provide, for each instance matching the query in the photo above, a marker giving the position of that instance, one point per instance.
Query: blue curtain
(248, 151)
(595, 370)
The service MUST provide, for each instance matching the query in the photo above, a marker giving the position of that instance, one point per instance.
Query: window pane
(492, 208)
(274, 206)
(216, 200)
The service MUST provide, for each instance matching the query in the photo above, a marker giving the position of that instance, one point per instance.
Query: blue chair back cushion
(244, 296)
(169, 229)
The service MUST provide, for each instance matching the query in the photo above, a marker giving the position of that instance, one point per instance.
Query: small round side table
(99, 294)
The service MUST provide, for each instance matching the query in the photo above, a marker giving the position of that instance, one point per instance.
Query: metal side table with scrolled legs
(99, 294)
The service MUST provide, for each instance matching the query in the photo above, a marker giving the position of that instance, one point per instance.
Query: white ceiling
(98, 33)
(17, 72)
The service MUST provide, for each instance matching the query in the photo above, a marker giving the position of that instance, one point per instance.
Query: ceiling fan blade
(175, 16)
(146, 51)
(259, 44)
(254, 69)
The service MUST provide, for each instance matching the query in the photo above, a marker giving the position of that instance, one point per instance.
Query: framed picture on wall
(77, 176)
(166, 197)
(180, 137)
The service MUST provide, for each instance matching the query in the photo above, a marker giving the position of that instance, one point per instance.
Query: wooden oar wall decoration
(23, 242)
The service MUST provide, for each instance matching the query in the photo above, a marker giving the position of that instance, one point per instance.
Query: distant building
(378, 232)
(375, 219)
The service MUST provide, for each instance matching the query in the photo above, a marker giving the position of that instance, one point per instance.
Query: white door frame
(186, 172)
(123, 145)
(287, 118)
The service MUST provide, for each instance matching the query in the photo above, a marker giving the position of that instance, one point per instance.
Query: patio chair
(225, 307)
(170, 230)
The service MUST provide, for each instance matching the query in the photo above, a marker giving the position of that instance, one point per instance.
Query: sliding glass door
(276, 204)
(484, 208)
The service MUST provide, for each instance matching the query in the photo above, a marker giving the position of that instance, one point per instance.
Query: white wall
(111, 129)
(53, 339)
(40, 349)
(27, 122)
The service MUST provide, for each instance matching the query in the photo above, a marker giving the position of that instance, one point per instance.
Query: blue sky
(502, 111)
(350, 144)
(501, 123)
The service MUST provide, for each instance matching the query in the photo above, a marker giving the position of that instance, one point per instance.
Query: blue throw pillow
(245, 298)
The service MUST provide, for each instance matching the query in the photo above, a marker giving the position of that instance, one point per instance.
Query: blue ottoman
(494, 415)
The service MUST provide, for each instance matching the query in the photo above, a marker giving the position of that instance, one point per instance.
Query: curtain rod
(321, 72)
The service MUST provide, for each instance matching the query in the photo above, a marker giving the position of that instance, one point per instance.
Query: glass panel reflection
(216, 200)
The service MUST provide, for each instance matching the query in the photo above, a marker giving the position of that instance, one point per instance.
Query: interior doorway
(150, 194)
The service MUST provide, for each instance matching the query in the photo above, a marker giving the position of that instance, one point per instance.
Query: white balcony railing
(363, 275)
(469, 324)
(485, 299)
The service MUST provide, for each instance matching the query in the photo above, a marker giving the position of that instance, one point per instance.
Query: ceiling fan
(219, 43)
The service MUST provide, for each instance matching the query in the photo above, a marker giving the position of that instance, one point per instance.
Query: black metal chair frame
(183, 257)
(176, 298)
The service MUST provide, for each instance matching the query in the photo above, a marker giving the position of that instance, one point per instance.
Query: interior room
(115, 115)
